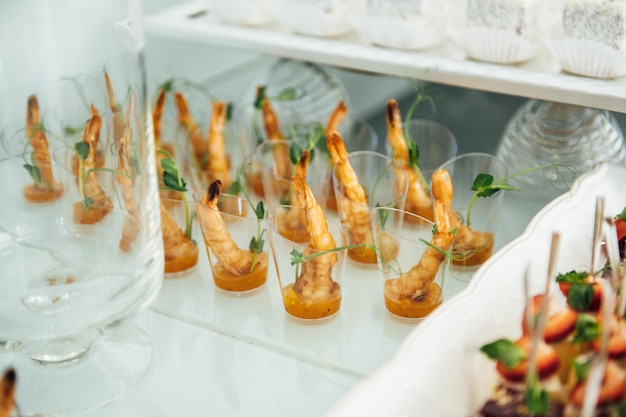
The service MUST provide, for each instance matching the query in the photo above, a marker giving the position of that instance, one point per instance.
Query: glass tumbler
(412, 262)
(474, 218)
(80, 240)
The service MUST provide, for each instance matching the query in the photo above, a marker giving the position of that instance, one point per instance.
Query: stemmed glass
(80, 238)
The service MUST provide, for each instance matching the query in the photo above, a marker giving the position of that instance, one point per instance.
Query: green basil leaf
(572, 277)
(505, 351)
(537, 400)
(581, 369)
(587, 329)
(580, 296)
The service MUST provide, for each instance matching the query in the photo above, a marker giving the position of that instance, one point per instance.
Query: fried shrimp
(469, 247)
(7, 392)
(314, 294)
(292, 225)
(181, 253)
(353, 209)
(229, 256)
(315, 280)
(95, 204)
(157, 118)
(416, 282)
(336, 117)
(218, 164)
(116, 113)
(197, 142)
(126, 179)
(418, 200)
(45, 188)
(272, 128)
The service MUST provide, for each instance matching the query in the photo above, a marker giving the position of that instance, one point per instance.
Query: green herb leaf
(82, 149)
(572, 277)
(537, 400)
(256, 245)
(587, 329)
(482, 181)
(87, 202)
(260, 97)
(581, 369)
(260, 210)
(294, 152)
(171, 175)
(229, 111)
(34, 172)
(171, 182)
(580, 296)
(383, 215)
(297, 257)
(234, 188)
(414, 153)
(285, 200)
(289, 93)
(505, 351)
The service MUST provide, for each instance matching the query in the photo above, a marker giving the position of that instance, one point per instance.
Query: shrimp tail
(395, 136)
(336, 117)
(157, 114)
(7, 392)
(303, 164)
(214, 192)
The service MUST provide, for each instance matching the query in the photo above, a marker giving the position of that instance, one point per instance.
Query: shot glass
(357, 135)
(435, 142)
(385, 185)
(277, 167)
(180, 238)
(411, 262)
(309, 278)
(475, 217)
(234, 237)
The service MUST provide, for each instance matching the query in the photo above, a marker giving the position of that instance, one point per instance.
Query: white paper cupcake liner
(309, 19)
(242, 12)
(412, 33)
(588, 58)
(494, 45)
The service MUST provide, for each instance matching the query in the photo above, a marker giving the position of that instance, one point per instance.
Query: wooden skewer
(536, 330)
(597, 232)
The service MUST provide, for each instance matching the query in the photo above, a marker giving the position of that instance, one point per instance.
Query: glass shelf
(540, 78)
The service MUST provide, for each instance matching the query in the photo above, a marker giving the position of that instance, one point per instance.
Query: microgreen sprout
(486, 186)
(173, 181)
(257, 242)
(414, 153)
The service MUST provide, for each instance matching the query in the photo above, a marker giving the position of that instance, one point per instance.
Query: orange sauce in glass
(298, 306)
(36, 193)
(403, 306)
(363, 254)
(471, 255)
(227, 281)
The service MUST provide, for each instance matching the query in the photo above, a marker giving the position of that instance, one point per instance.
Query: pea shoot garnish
(173, 181)
(485, 185)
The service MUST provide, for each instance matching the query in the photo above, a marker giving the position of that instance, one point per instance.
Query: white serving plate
(438, 370)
